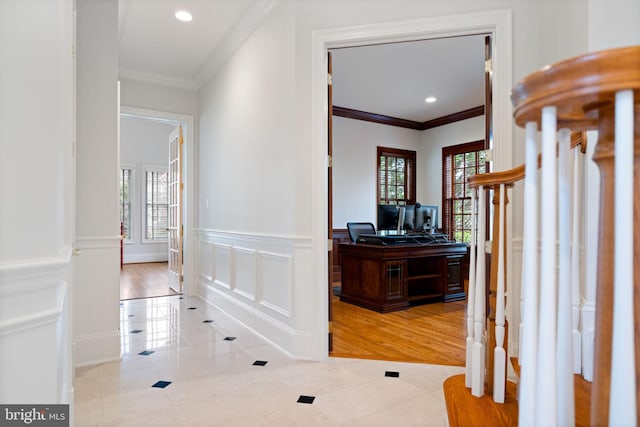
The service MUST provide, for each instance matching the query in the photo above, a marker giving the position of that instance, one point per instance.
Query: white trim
(21, 280)
(87, 347)
(210, 235)
(293, 342)
(190, 284)
(21, 269)
(146, 257)
(98, 242)
(498, 23)
(159, 79)
(250, 20)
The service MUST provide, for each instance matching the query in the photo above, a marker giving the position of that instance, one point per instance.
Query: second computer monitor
(426, 218)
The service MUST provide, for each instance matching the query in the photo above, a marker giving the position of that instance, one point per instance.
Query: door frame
(189, 285)
(497, 23)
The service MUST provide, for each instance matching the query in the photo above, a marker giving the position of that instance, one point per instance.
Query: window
(396, 176)
(458, 163)
(126, 186)
(157, 204)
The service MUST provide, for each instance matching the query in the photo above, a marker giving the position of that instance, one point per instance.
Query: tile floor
(184, 363)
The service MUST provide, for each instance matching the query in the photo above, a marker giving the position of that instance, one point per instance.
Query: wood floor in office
(430, 333)
(145, 280)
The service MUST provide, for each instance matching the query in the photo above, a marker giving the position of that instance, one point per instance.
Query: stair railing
(599, 91)
(486, 369)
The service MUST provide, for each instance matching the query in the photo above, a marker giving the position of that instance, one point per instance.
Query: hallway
(217, 373)
(145, 280)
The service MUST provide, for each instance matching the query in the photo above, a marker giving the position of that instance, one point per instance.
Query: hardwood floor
(430, 333)
(144, 281)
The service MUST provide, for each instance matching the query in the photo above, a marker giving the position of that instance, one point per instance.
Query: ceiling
(395, 79)
(388, 79)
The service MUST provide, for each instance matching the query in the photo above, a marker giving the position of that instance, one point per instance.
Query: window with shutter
(157, 205)
(458, 163)
(126, 187)
(396, 176)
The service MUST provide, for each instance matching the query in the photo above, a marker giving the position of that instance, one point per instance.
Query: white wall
(355, 145)
(263, 97)
(96, 293)
(157, 97)
(355, 164)
(37, 189)
(143, 143)
(611, 24)
(254, 261)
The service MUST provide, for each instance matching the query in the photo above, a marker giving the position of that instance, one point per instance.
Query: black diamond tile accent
(132, 315)
(393, 374)
(229, 338)
(207, 321)
(161, 384)
(306, 399)
(181, 297)
(146, 352)
(260, 363)
(136, 331)
(192, 308)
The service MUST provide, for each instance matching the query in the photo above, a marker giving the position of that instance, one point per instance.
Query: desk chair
(357, 228)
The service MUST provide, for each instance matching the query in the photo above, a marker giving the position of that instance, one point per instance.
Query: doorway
(145, 269)
(497, 23)
(396, 116)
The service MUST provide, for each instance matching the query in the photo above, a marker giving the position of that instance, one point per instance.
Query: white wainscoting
(35, 342)
(96, 299)
(253, 278)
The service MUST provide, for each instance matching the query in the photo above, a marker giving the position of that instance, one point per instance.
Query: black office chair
(357, 228)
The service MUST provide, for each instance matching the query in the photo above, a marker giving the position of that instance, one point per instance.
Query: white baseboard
(148, 257)
(297, 344)
(95, 349)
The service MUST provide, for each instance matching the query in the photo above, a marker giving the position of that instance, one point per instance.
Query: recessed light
(183, 15)
(430, 100)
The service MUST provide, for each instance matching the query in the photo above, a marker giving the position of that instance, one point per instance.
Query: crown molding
(159, 79)
(375, 118)
(248, 22)
(408, 124)
(455, 117)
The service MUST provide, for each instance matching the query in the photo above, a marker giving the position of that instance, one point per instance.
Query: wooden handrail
(511, 176)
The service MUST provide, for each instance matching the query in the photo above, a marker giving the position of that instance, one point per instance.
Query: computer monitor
(426, 218)
(387, 217)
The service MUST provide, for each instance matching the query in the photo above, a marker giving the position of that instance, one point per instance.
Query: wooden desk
(388, 278)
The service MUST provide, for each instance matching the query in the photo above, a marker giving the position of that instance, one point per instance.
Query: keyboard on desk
(406, 239)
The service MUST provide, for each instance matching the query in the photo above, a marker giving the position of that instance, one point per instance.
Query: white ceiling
(390, 79)
(394, 79)
(155, 46)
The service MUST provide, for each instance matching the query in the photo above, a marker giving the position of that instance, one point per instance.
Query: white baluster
(529, 339)
(622, 410)
(575, 261)
(471, 291)
(566, 412)
(546, 398)
(499, 353)
(477, 385)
